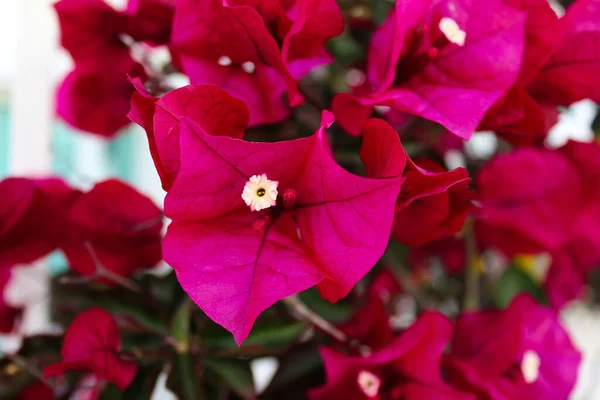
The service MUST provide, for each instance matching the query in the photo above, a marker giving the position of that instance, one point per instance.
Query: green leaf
(269, 335)
(345, 49)
(180, 326)
(335, 313)
(184, 378)
(513, 282)
(234, 373)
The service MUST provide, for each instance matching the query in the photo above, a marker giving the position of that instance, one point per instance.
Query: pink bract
(409, 367)
(413, 68)
(433, 204)
(539, 200)
(115, 226)
(92, 344)
(231, 45)
(93, 97)
(491, 349)
(216, 111)
(32, 218)
(329, 227)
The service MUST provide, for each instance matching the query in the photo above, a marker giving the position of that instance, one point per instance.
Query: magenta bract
(328, 228)
(519, 353)
(413, 67)
(92, 344)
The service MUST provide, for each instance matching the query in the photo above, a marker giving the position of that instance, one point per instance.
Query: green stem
(472, 295)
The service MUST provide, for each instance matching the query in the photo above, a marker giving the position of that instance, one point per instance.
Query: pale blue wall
(4, 129)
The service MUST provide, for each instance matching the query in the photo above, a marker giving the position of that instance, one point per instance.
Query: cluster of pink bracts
(256, 222)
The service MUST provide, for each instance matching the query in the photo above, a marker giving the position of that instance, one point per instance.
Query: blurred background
(32, 139)
(34, 142)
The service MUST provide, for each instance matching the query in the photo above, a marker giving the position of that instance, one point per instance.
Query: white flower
(224, 61)
(249, 67)
(530, 366)
(369, 383)
(452, 31)
(260, 192)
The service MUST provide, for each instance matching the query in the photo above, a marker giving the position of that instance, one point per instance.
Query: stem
(471, 300)
(111, 276)
(305, 313)
(23, 363)
(407, 283)
(310, 99)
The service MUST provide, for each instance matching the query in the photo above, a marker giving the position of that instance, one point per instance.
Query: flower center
(260, 192)
(530, 366)
(369, 383)
(452, 31)
(424, 45)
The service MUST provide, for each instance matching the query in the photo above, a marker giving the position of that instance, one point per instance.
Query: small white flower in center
(249, 67)
(369, 383)
(224, 61)
(452, 31)
(260, 193)
(530, 366)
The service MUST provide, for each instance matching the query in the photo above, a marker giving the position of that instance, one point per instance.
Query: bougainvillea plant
(328, 230)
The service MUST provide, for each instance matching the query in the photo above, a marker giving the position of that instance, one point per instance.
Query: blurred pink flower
(116, 226)
(255, 50)
(433, 60)
(407, 368)
(520, 353)
(539, 200)
(92, 343)
(95, 96)
(559, 68)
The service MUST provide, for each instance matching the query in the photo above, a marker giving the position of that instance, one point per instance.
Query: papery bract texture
(538, 200)
(409, 367)
(520, 353)
(414, 68)
(92, 344)
(114, 227)
(328, 228)
(216, 111)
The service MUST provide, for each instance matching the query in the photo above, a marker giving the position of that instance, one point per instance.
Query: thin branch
(23, 363)
(305, 313)
(471, 300)
(310, 98)
(111, 276)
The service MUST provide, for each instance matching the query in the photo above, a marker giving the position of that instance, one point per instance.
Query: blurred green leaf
(180, 324)
(335, 313)
(272, 335)
(184, 377)
(513, 282)
(233, 373)
(345, 49)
